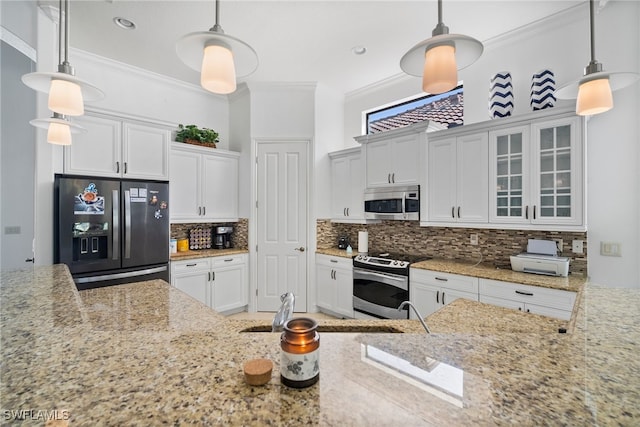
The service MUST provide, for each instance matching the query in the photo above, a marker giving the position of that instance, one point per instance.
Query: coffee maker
(222, 237)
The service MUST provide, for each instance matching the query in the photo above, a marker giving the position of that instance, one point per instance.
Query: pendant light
(59, 129)
(439, 58)
(593, 91)
(67, 93)
(219, 57)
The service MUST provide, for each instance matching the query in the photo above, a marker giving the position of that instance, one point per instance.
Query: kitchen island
(147, 354)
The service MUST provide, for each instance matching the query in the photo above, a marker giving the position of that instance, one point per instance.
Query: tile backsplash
(495, 246)
(239, 237)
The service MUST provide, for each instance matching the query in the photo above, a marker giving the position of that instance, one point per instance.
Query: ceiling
(296, 40)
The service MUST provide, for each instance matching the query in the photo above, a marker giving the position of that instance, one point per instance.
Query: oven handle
(400, 282)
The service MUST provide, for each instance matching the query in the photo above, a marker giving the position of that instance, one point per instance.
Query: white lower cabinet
(431, 290)
(334, 285)
(531, 299)
(218, 282)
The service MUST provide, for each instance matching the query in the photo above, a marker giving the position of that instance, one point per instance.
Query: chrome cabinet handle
(344, 211)
(300, 249)
(526, 212)
(213, 276)
(30, 260)
(389, 178)
(333, 260)
(438, 297)
(204, 211)
(534, 211)
(442, 279)
(393, 178)
(117, 167)
(443, 303)
(191, 265)
(347, 211)
(453, 211)
(199, 210)
(125, 167)
(458, 211)
(208, 276)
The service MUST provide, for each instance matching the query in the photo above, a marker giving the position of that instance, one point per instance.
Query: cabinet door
(441, 191)
(509, 158)
(472, 181)
(229, 286)
(557, 172)
(192, 277)
(220, 188)
(447, 296)
(145, 152)
(97, 152)
(325, 286)
(340, 187)
(355, 205)
(344, 292)
(405, 154)
(378, 164)
(501, 302)
(426, 298)
(184, 186)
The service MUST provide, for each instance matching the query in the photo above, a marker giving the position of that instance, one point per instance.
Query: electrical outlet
(577, 246)
(559, 243)
(473, 239)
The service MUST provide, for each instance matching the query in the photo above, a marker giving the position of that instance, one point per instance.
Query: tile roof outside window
(447, 111)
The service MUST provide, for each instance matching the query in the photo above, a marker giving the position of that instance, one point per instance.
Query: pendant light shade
(593, 92)
(59, 129)
(218, 74)
(438, 59)
(67, 93)
(220, 58)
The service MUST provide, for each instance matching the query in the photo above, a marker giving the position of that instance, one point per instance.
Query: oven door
(379, 294)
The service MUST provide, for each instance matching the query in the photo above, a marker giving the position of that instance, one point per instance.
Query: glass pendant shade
(65, 98)
(218, 73)
(59, 134)
(440, 71)
(594, 97)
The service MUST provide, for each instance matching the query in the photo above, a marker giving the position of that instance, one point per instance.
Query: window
(446, 109)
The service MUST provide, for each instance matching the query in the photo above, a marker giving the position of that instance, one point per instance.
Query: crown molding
(18, 44)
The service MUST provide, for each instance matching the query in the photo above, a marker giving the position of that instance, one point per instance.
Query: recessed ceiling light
(124, 23)
(359, 50)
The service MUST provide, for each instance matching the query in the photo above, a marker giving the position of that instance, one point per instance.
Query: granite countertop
(146, 353)
(206, 253)
(572, 283)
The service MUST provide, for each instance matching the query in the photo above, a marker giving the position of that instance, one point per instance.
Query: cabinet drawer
(334, 261)
(444, 280)
(190, 265)
(553, 298)
(222, 261)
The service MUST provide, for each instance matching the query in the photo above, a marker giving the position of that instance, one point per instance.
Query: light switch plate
(473, 239)
(610, 249)
(577, 246)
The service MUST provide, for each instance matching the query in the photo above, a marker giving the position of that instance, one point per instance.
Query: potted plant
(192, 134)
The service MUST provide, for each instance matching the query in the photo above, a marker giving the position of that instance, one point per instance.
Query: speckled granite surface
(205, 253)
(147, 354)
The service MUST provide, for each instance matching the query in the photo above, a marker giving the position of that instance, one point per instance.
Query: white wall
(562, 44)
(240, 141)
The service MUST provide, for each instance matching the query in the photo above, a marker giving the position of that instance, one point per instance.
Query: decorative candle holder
(300, 356)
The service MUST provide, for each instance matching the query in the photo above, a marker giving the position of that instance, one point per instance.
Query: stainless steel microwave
(394, 203)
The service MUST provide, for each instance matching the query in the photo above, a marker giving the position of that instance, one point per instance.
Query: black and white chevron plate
(543, 87)
(500, 95)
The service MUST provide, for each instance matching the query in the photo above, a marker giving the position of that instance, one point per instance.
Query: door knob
(301, 249)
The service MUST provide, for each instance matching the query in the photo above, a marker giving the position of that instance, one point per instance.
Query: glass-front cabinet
(536, 173)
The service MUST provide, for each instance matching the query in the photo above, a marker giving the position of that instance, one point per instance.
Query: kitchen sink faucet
(415, 310)
(285, 312)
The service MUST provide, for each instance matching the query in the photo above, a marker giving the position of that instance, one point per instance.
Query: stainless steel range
(381, 284)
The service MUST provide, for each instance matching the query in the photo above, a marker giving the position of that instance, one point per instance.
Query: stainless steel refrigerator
(111, 231)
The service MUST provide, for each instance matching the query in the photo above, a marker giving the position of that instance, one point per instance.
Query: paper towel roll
(363, 242)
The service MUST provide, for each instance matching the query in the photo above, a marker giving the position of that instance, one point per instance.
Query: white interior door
(282, 175)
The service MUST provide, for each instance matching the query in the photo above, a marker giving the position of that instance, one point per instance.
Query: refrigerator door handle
(127, 225)
(115, 196)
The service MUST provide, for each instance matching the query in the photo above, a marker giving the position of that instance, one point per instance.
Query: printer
(541, 258)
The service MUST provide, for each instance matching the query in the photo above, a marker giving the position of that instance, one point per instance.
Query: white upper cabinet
(347, 186)
(458, 179)
(394, 157)
(523, 172)
(203, 184)
(120, 148)
(536, 174)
